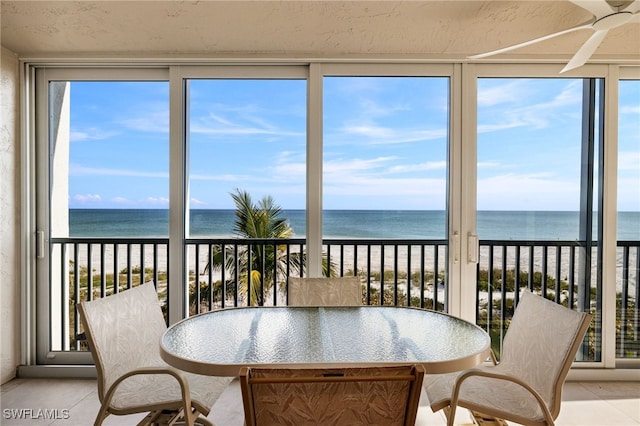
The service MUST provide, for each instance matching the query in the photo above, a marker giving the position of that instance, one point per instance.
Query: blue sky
(385, 143)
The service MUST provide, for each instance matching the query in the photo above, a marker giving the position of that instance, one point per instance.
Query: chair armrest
(184, 387)
(498, 376)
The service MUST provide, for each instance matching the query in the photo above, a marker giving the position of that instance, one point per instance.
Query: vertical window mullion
(178, 190)
(314, 171)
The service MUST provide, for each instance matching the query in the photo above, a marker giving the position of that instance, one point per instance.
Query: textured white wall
(9, 216)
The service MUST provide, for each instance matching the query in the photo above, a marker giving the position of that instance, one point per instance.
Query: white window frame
(462, 169)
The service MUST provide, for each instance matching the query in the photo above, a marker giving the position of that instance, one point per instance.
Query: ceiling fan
(608, 14)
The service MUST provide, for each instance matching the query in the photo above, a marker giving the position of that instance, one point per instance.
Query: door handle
(456, 247)
(472, 248)
(39, 244)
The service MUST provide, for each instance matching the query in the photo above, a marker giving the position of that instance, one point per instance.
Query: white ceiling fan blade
(584, 26)
(585, 52)
(599, 8)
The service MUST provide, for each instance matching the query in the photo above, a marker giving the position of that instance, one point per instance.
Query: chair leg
(448, 413)
(149, 419)
(103, 413)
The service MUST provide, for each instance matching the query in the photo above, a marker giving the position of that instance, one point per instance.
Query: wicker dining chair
(326, 291)
(526, 386)
(331, 396)
(123, 331)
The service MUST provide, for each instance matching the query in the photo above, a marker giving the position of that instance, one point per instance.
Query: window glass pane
(247, 179)
(108, 177)
(116, 165)
(385, 153)
(529, 145)
(627, 318)
(385, 157)
(246, 136)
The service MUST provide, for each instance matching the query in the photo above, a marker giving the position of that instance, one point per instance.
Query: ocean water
(501, 225)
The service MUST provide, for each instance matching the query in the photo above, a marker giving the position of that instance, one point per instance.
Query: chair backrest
(123, 331)
(541, 343)
(338, 291)
(342, 396)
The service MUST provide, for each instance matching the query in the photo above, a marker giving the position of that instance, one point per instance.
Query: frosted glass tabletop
(219, 343)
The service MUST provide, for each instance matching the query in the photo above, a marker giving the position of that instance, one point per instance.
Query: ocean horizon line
(354, 210)
(358, 224)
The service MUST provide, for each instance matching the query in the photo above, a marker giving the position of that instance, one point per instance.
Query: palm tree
(259, 265)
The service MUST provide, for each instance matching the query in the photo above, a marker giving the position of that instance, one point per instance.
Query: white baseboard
(57, 371)
(604, 375)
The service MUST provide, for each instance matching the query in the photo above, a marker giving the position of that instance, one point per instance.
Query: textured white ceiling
(306, 29)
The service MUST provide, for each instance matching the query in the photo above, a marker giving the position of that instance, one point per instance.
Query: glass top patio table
(219, 343)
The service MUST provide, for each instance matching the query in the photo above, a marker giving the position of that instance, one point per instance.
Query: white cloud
(156, 122)
(87, 198)
(488, 128)
(506, 93)
(196, 202)
(429, 165)
(628, 193)
(629, 109)
(289, 167)
(78, 170)
(240, 130)
(120, 200)
(90, 134)
(341, 170)
(370, 131)
(488, 164)
(416, 193)
(388, 135)
(220, 120)
(515, 114)
(536, 191)
(221, 177)
(629, 160)
(245, 121)
(155, 201)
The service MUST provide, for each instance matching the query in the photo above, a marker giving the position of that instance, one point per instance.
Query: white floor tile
(584, 404)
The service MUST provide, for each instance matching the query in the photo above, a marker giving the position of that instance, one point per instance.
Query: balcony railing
(393, 272)
(240, 272)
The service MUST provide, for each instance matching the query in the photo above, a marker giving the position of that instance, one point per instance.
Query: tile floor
(75, 402)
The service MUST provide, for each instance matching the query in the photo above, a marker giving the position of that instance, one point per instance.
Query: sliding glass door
(103, 186)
